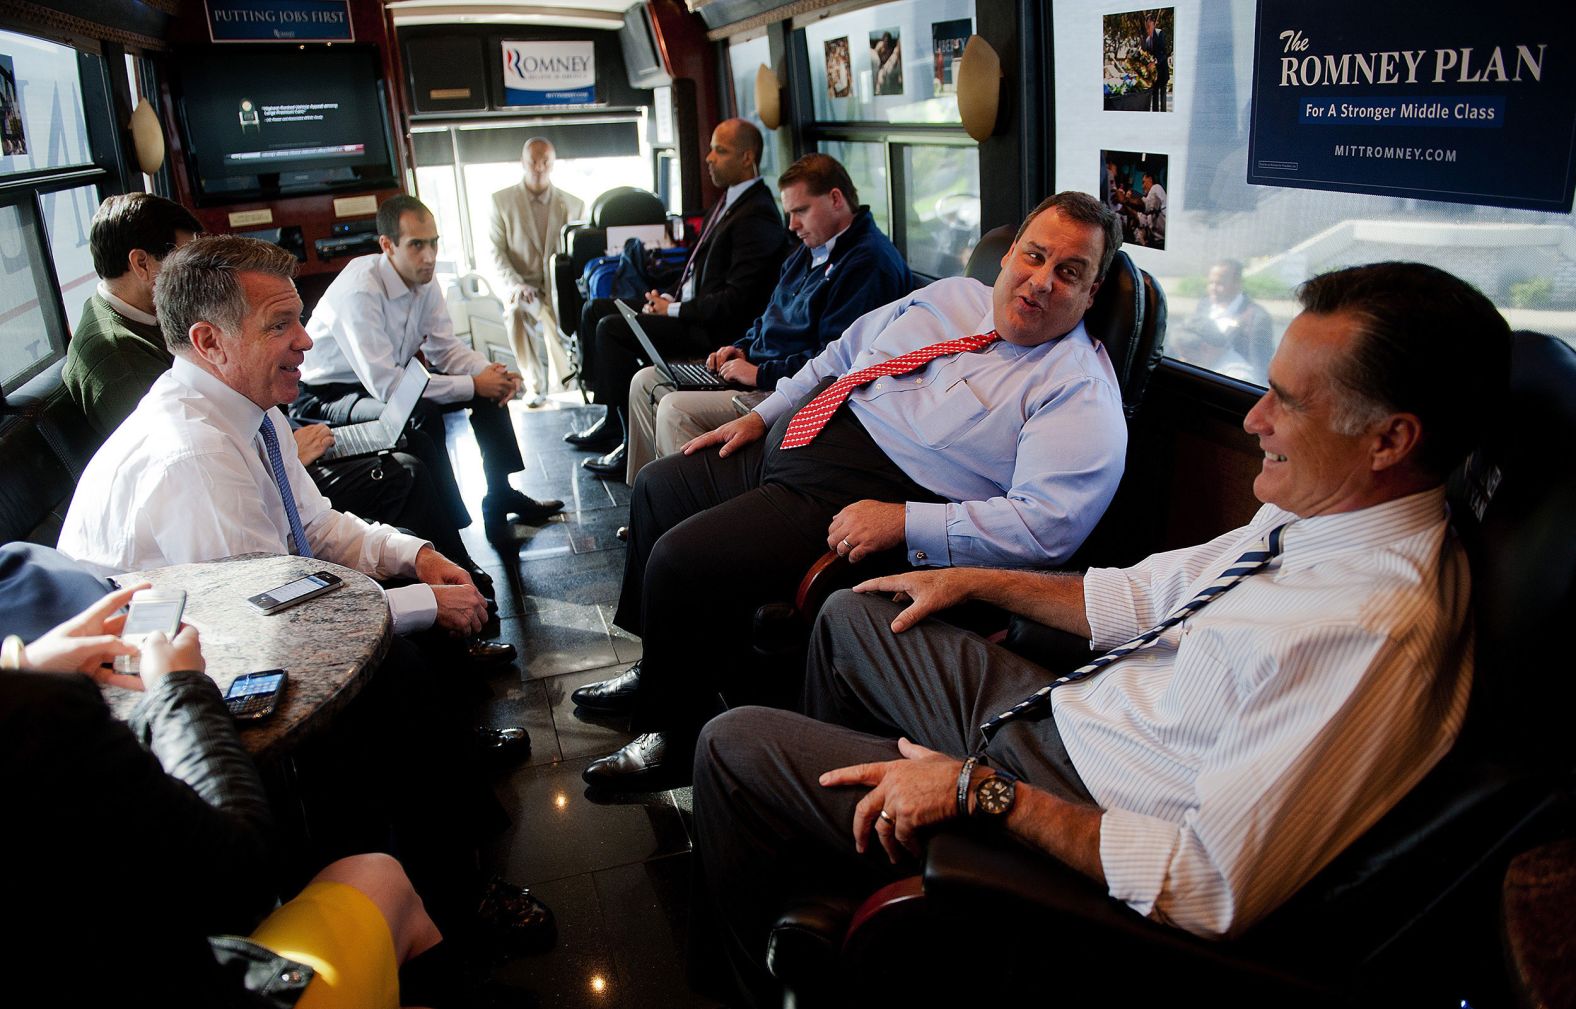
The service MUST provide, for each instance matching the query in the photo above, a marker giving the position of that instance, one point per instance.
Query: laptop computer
(683, 375)
(381, 435)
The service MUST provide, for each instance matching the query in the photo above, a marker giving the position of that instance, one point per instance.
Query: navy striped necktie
(277, 464)
(1249, 563)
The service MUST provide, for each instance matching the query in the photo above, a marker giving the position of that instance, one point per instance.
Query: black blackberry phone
(255, 695)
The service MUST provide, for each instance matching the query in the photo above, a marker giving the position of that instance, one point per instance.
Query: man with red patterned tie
(973, 425)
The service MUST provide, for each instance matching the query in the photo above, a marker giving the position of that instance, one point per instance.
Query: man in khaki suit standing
(526, 220)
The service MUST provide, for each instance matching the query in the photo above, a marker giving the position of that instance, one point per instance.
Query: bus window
(893, 63)
(1197, 151)
(744, 59)
(67, 215)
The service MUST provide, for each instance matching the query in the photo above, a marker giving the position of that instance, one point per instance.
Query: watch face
(995, 795)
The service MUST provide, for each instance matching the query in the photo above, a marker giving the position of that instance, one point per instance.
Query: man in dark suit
(724, 287)
(1158, 45)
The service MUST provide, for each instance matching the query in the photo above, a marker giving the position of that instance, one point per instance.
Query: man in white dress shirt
(1204, 779)
(188, 475)
(378, 314)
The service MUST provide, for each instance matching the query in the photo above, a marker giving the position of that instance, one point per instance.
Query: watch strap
(965, 776)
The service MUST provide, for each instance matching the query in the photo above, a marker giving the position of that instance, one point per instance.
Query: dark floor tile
(583, 733)
(597, 530)
(557, 831)
(579, 578)
(579, 971)
(645, 916)
(555, 637)
(523, 702)
(626, 646)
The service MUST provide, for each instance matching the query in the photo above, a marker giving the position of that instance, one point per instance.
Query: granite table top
(329, 645)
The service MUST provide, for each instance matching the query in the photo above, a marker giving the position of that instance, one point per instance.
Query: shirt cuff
(1135, 853)
(1108, 606)
(772, 408)
(673, 309)
(925, 528)
(413, 607)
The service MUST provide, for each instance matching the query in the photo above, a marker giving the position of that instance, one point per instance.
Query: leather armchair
(1410, 906)
(582, 241)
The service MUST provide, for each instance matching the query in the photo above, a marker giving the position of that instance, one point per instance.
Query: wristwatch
(994, 795)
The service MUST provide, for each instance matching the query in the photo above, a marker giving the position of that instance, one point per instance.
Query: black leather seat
(45, 443)
(582, 241)
(1405, 916)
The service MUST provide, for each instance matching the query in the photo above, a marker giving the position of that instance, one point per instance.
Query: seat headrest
(627, 205)
(985, 261)
(1129, 317)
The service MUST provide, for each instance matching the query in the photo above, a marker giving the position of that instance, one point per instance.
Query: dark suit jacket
(41, 587)
(736, 266)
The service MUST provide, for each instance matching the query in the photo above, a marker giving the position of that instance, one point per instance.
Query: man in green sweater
(117, 352)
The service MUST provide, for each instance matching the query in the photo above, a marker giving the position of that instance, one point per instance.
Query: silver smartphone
(154, 610)
(298, 591)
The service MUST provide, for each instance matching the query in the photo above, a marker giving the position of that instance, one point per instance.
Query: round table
(329, 645)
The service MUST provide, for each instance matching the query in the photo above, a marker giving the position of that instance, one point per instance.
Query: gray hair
(200, 282)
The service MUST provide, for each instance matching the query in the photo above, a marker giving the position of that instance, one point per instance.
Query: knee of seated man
(742, 738)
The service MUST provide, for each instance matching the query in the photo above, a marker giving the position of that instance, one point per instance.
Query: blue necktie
(1249, 563)
(277, 464)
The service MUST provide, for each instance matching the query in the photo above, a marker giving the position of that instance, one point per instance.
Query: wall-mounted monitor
(263, 122)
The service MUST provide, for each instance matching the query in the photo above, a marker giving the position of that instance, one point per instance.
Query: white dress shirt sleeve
(1260, 825)
(446, 352)
(369, 344)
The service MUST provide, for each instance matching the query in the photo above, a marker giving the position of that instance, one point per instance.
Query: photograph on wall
(1133, 184)
(947, 39)
(886, 61)
(13, 133)
(839, 73)
(1137, 60)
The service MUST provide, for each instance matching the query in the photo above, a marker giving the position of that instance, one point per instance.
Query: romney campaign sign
(1455, 101)
(549, 73)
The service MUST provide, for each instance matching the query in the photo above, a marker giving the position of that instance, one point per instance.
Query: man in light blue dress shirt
(1004, 456)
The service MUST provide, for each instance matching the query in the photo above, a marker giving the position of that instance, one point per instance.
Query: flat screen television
(261, 122)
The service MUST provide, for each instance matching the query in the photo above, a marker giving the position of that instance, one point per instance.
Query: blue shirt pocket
(941, 416)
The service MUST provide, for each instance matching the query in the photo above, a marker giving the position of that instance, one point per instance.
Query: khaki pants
(661, 420)
(533, 336)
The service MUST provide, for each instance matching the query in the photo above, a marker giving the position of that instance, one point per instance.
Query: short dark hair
(199, 283)
(748, 137)
(1084, 209)
(392, 209)
(1429, 344)
(1231, 266)
(135, 221)
(820, 174)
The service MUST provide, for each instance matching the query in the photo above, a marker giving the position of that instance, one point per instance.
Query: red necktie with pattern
(807, 423)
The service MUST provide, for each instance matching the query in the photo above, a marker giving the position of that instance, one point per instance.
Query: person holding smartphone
(146, 848)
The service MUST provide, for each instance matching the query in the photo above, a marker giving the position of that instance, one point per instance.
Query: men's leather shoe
(502, 746)
(611, 464)
(483, 582)
(514, 917)
(527, 509)
(645, 764)
(599, 437)
(615, 696)
(489, 653)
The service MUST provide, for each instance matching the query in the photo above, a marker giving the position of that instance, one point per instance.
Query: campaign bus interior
(112, 96)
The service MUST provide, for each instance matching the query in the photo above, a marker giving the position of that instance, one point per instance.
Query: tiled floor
(615, 872)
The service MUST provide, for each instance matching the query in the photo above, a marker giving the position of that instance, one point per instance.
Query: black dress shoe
(611, 464)
(599, 437)
(645, 764)
(499, 506)
(489, 653)
(511, 916)
(483, 582)
(500, 747)
(615, 696)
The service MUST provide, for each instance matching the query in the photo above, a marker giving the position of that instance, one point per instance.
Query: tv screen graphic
(266, 122)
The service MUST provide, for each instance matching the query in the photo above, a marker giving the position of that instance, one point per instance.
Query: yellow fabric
(339, 932)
